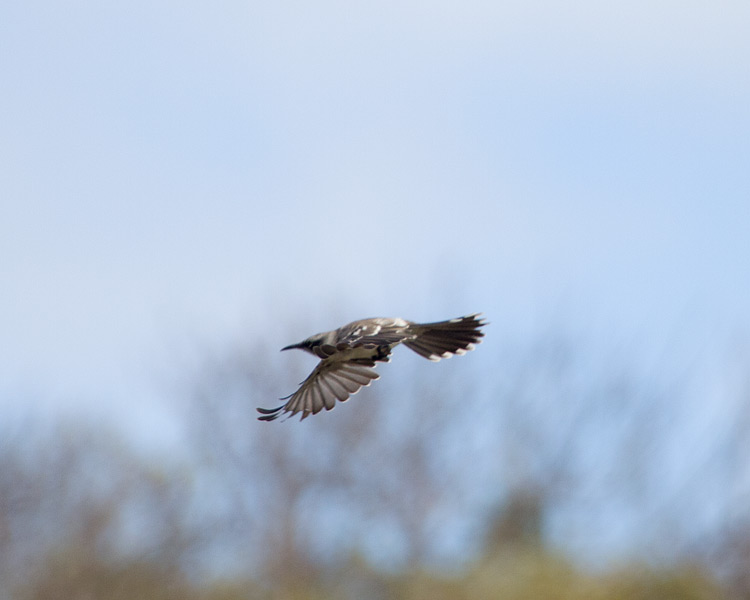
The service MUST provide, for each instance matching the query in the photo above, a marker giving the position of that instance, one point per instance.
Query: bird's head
(308, 344)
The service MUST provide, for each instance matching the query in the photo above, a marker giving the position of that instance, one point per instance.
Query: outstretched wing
(330, 381)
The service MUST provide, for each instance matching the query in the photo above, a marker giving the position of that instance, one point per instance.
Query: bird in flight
(348, 356)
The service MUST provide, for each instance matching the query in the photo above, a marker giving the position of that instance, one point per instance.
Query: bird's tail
(446, 338)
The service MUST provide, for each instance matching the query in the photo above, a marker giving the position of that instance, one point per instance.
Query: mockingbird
(348, 356)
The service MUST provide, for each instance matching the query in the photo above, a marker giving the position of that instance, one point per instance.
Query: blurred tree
(74, 497)
(438, 486)
(519, 522)
(397, 484)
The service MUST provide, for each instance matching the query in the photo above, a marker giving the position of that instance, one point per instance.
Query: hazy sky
(180, 169)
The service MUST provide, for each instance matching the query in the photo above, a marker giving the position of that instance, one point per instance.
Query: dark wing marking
(329, 381)
(370, 333)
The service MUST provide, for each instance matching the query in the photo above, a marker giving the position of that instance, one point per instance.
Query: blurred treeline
(456, 482)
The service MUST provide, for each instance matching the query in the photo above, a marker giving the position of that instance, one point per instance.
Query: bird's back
(376, 331)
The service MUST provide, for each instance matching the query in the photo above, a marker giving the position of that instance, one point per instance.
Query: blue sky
(172, 171)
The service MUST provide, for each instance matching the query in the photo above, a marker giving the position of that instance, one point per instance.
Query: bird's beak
(292, 346)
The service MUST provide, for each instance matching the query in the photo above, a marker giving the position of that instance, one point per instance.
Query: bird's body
(348, 356)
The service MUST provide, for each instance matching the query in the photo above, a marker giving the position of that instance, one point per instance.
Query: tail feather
(446, 338)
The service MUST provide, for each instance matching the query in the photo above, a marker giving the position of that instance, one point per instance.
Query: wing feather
(334, 386)
(330, 381)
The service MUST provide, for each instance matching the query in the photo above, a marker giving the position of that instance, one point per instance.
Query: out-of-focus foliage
(402, 496)
(513, 572)
(78, 576)
(531, 576)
